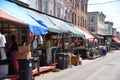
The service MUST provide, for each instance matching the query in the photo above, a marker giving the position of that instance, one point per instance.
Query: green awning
(73, 30)
(71, 25)
(66, 27)
(38, 16)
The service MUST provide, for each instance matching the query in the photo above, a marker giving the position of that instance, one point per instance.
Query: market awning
(99, 37)
(64, 26)
(14, 10)
(5, 17)
(116, 40)
(87, 34)
(93, 40)
(42, 20)
(57, 23)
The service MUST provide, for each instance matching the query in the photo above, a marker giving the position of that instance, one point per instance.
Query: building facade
(118, 35)
(114, 31)
(108, 28)
(95, 22)
(74, 11)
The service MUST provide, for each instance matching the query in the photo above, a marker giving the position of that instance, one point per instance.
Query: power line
(105, 2)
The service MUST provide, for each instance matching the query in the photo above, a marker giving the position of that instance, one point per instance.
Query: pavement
(43, 76)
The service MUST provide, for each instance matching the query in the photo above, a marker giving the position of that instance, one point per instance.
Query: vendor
(47, 46)
(13, 50)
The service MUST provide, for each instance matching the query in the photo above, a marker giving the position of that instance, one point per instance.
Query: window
(78, 21)
(58, 12)
(47, 7)
(34, 4)
(50, 7)
(73, 18)
(85, 24)
(101, 19)
(91, 19)
(60, 1)
(45, 4)
(91, 28)
(81, 21)
(69, 15)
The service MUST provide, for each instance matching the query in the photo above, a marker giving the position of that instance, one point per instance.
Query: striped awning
(116, 40)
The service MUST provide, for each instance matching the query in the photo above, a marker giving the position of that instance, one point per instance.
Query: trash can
(62, 61)
(25, 69)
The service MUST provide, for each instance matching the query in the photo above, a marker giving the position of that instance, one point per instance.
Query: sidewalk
(45, 76)
(50, 75)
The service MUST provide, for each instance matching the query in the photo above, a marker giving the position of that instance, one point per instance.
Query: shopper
(13, 50)
(104, 51)
(48, 50)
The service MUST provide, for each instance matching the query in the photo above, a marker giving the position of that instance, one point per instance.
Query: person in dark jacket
(13, 50)
(104, 51)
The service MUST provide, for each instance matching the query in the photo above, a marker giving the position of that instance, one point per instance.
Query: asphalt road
(102, 68)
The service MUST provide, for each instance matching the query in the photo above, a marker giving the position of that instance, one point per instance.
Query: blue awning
(14, 10)
(42, 20)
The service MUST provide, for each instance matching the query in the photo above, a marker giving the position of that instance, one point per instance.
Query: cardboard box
(26, 55)
(24, 52)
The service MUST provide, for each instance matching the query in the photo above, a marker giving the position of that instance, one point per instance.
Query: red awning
(84, 29)
(5, 16)
(93, 40)
(87, 34)
(116, 39)
(91, 37)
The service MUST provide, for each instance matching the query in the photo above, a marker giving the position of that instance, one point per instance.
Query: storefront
(115, 44)
(10, 26)
(13, 21)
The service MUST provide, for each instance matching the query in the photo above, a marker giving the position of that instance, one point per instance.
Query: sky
(111, 8)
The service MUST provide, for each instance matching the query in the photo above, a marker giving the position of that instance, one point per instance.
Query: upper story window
(73, 18)
(101, 19)
(59, 1)
(45, 4)
(47, 7)
(91, 28)
(58, 12)
(50, 7)
(74, 3)
(91, 19)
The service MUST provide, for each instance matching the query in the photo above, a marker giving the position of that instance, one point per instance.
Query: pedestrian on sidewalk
(104, 51)
(13, 50)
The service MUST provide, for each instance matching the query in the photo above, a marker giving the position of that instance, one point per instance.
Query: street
(102, 68)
